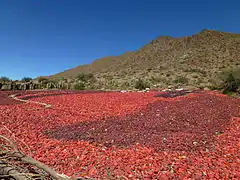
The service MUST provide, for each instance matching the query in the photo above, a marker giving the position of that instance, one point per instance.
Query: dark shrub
(141, 85)
(230, 80)
(26, 79)
(79, 86)
(85, 77)
(41, 79)
(5, 79)
(230, 84)
(181, 80)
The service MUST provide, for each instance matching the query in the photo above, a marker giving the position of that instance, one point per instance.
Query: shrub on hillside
(61, 79)
(42, 79)
(230, 80)
(231, 84)
(181, 80)
(141, 85)
(79, 86)
(85, 77)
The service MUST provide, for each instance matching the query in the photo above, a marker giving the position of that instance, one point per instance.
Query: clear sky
(43, 37)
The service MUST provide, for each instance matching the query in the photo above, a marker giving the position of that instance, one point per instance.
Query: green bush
(62, 79)
(234, 71)
(26, 79)
(5, 79)
(141, 85)
(181, 80)
(41, 79)
(85, 77)
(231, 84)
(79, 86)
(196, 70)
(230, 80)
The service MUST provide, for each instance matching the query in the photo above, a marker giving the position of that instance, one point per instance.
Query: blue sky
(43, 37)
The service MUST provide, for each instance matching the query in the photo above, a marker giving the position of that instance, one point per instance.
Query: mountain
(100, 65)
(188, 61)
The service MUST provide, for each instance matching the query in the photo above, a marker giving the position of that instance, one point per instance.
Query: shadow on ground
(189, 124)
(6, 100)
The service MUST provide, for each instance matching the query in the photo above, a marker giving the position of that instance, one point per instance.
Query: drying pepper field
(131, 135)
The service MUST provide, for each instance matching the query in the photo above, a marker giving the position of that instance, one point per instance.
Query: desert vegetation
(226, 81)
(230, 80)
(141, 85)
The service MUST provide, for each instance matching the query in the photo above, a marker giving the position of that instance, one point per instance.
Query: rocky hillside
(166, 61)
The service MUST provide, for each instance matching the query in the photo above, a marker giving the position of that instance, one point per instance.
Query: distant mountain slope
(165, 60)
(100, 65)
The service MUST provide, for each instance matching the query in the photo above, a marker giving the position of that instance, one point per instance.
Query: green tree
(231, 84)
(79, 86)
(5, 79)
(230, 80)
(26, 79)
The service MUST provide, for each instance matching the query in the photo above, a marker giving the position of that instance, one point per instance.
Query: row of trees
(6, 79)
